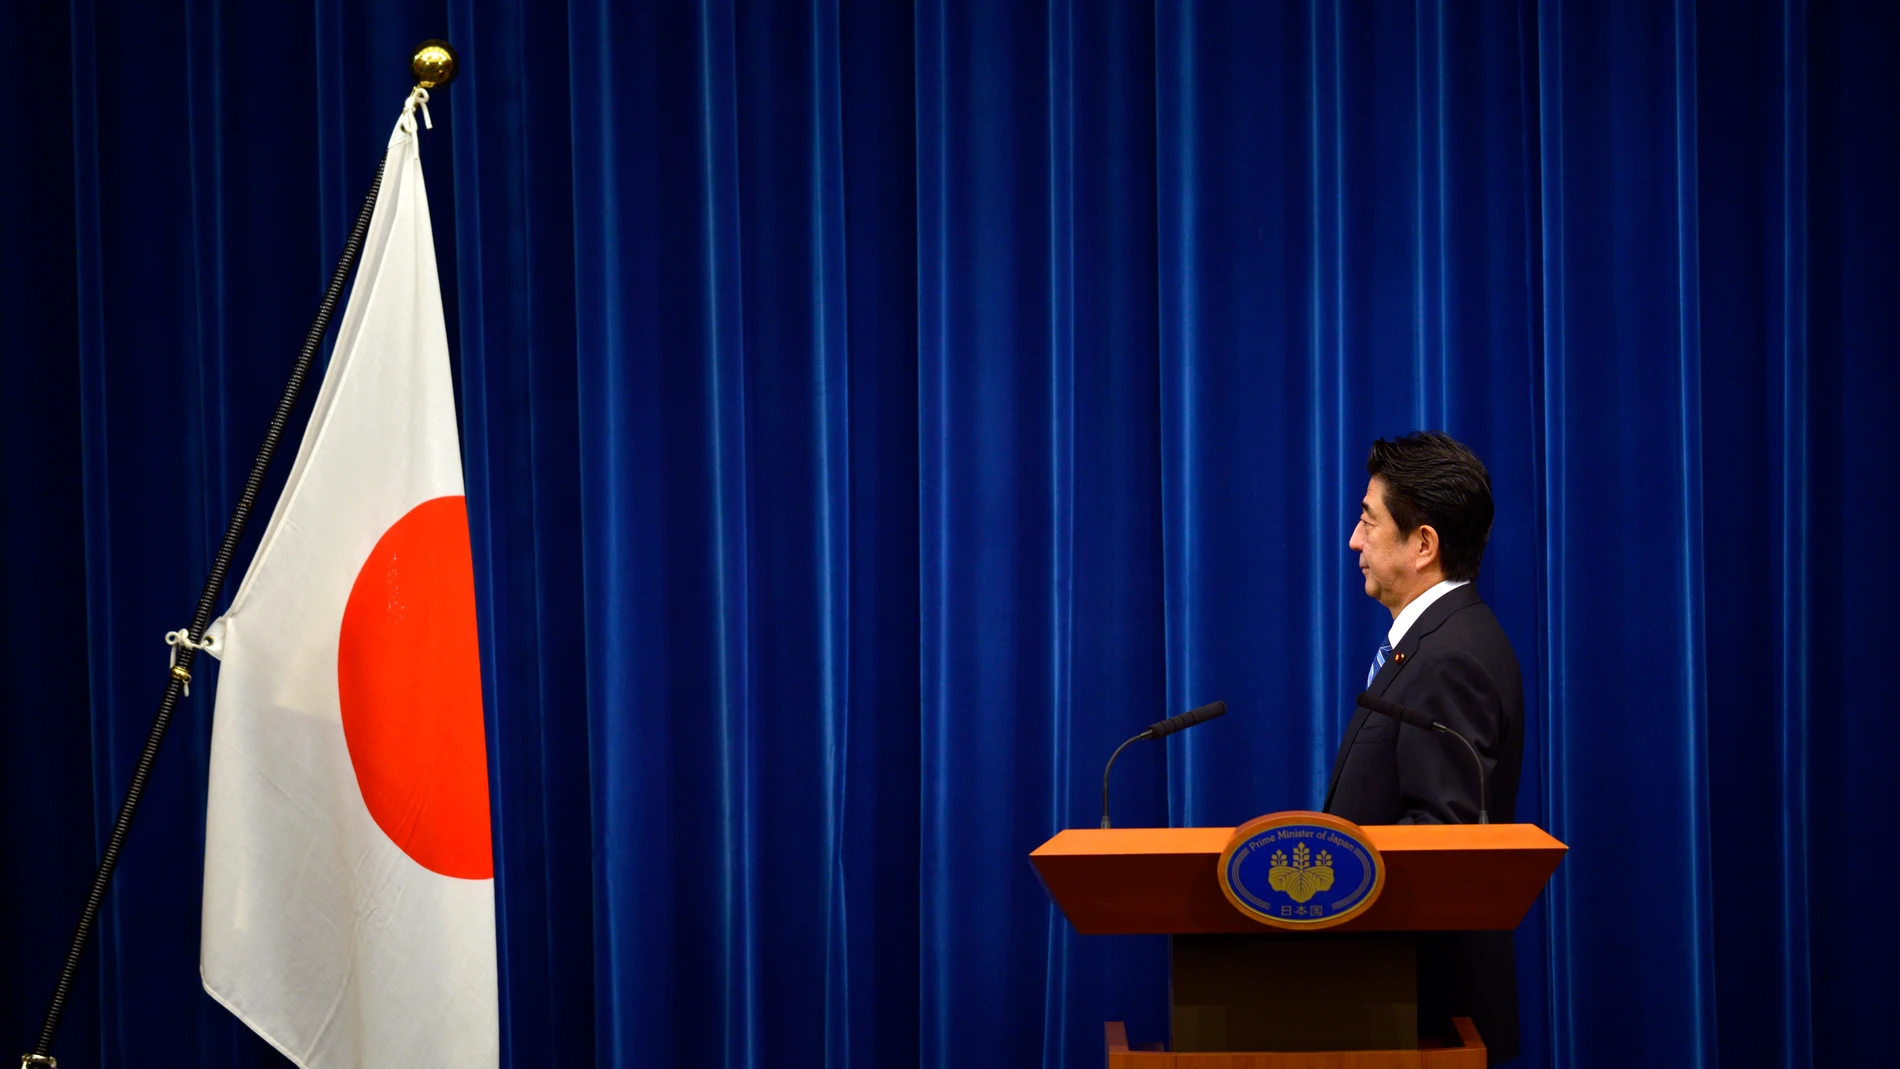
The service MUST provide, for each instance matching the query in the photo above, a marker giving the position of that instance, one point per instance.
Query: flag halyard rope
(418, 98)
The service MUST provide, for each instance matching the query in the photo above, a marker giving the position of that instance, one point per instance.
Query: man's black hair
(1430, 478)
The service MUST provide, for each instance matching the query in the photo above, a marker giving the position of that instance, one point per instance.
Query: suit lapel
(1358, 721)
(1428, 622)
(1387, 673)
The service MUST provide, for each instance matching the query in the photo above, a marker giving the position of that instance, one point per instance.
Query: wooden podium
(1247, 996)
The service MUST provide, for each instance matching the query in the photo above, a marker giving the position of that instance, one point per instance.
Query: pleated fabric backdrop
(874, 414)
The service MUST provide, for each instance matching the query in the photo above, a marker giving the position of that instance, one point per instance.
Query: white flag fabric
(349, 911)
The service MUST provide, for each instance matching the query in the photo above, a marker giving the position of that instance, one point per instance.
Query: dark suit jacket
(1455, 666)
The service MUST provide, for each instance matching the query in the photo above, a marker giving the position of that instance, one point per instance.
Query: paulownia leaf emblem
(1304, 877)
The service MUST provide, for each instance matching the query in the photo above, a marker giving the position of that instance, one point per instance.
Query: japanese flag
(349, 910)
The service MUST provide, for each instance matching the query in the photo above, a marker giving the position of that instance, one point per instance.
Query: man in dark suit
(1421, 534)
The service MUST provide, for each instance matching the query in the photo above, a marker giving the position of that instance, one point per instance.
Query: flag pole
(433, 63)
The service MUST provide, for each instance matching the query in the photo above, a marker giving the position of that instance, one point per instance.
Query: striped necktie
(1378, 662)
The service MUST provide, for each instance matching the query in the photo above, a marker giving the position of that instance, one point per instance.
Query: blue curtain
(874, 413)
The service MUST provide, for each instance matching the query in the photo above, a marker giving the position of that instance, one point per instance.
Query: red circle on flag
(409, 680)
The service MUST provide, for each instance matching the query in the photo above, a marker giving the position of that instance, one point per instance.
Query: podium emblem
(1301, 870)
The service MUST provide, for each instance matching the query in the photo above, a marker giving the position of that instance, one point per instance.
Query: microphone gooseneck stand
(1160, 729)
(1405, 714)
(1484, 808)
(1110, 765)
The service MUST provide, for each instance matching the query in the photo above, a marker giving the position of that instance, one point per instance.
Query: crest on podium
(1301, 870)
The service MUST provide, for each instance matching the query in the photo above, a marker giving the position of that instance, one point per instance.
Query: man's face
(1389, 560)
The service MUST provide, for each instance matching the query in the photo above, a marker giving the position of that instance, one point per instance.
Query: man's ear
(1426, 555)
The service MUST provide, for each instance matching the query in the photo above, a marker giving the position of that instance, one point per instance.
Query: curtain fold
(873, 414)
(1626, 452)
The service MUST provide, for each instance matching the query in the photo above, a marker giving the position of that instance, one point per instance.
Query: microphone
(1160, 729)
(1186, 720)
(1405, 714)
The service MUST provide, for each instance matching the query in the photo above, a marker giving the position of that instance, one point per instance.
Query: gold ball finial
(433, 63)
